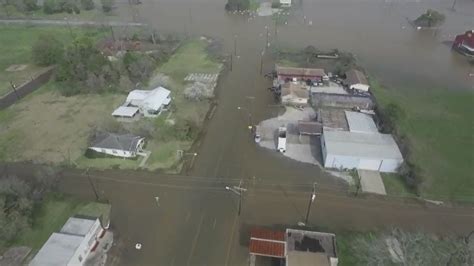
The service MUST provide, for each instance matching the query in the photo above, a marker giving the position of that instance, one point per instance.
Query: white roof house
(71, 245)
(360, 122)
(285, 3)
(349, 150)
(148, 102)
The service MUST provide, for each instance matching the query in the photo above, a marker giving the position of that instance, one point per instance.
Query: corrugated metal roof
(360, 123)
(125, 111)
(267, 248)
(363, 145)
(264, 233)
(354, 76)
(296, 71)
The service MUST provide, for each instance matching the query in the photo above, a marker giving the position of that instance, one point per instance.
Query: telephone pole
(311, 200)
(92, 184)
(239, 191)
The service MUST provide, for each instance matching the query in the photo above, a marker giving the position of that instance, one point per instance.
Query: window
(114, 151)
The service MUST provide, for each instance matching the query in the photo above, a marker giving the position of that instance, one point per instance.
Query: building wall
(84, 249)
(390, 165)
(348, 162)
(113, 152)
(360, 86)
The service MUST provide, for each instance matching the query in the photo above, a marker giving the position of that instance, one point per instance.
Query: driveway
(371, 182)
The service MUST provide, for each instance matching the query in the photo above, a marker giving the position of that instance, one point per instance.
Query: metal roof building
(349, 150)
(360, 122)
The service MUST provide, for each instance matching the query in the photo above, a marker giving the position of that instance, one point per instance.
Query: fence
(25, 89)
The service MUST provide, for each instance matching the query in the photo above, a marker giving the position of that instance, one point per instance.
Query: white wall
(348, 162)
(390, 165)
(84, 249)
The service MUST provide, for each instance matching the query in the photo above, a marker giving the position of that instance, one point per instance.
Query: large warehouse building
(362, 147)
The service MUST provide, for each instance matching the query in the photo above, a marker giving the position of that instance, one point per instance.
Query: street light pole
(311, 199)
(235, 45)
(92, 185)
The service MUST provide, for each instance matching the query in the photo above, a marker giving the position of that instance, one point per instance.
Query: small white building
(356, 80)
(72, 245)
(285, 3)
(150, 103)
(120, 145)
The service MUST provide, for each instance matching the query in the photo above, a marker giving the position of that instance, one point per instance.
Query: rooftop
(360, 122)
(301, 258)
(125, 142)
(361, 144)
(152, 99)
(58, 250)
(307, 241)
(310, 127)
(296, 71)
(298, 90)
(126, 111)
(354, 76)
(266, 242)
(78, 226)
(333, 118)
(329, 89)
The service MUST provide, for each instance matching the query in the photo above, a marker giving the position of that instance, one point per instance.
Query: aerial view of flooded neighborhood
(236, 132)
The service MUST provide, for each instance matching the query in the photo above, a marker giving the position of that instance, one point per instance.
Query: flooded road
(196, 221)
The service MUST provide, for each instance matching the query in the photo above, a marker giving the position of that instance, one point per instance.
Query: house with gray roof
(120, 145)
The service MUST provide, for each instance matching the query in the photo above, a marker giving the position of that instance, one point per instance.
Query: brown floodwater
(196, 223)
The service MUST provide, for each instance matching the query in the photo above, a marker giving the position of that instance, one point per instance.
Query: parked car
(281, 139)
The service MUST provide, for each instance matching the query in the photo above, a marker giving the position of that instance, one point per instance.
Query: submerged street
(192, 219)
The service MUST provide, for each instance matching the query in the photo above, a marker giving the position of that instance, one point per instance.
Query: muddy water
(376, 32)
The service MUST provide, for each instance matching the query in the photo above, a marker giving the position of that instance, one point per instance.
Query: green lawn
(439, 127)
(51, 215)
(15, 48)
(395, 186)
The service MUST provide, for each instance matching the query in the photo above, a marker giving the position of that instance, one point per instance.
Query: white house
(150, 103)
(285, 3)
(120, 145)
(72, 245)
(356, 80)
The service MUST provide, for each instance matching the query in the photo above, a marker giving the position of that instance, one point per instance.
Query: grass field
(439, 127)
(51, 215)
(48, 127)
(95, 14)
(395, 186)
(15, 48)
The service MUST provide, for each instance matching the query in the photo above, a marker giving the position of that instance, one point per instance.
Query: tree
(85, 69)
(237, 5)
(15, 207)
(87, 4)
(30, 5)
(431, 18)
(139, 67)
(47, 50)
(107, 5)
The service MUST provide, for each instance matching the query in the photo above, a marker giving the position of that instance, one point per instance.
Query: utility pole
(92, 185)
(239, 191)
(311, 199)
(261, 62)
(454, 4)
(231, 62)
(235, 45)
(14, 89)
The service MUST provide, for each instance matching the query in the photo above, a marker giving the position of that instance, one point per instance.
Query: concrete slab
(371, 182)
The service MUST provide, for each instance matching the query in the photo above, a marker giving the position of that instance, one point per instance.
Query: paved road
(195, 220)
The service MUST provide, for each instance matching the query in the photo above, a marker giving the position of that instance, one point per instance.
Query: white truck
(281, 139)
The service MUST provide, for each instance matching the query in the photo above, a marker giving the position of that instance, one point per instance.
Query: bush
(107, 5)
(276, 4)
(30, 5)
(51, 7)
(87, 4)
(47, 50)
(431, 18)
(139, 66)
